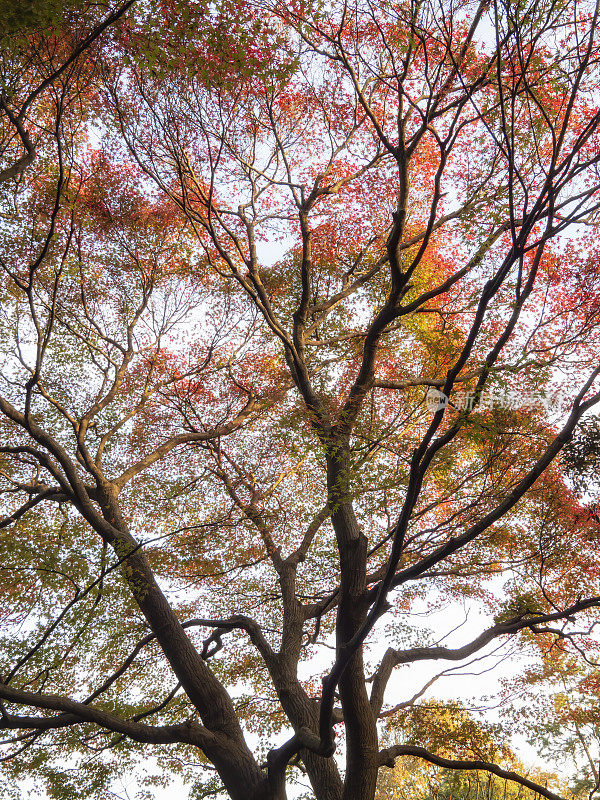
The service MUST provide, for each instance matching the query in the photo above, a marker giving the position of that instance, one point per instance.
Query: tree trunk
(359, 720)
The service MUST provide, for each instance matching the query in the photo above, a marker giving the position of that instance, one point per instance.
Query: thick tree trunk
(359, 720)
(322, 772)
(242, 776)
(301, 710)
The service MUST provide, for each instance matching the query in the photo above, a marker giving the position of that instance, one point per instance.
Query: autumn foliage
(300, 328)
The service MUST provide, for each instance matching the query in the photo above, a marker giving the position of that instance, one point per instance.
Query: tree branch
(394, 658)
(74, 713)
(388, 756)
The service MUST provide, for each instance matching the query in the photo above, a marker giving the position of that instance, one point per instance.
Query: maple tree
(300, 314)
(419, 778)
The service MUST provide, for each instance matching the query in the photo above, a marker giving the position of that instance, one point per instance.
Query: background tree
(253, 241)
(459, 739)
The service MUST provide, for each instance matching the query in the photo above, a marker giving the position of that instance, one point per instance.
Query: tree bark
(359, 720)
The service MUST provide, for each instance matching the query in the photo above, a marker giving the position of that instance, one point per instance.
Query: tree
(41, 43)
(299, 309)
(461, 736)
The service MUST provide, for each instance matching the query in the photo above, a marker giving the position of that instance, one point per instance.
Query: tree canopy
(300, 324)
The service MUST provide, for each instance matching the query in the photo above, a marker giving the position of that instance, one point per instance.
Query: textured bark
(241, 774)
(301, 710)
(360, 723)
(416, 107)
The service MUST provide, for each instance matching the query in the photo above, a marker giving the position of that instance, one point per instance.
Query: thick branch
(387, 757)
(394, 658)
(74, 713)
(26, 159)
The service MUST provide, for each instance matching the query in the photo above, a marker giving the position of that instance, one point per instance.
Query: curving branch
(17, 119)
(195, 436)
(26, 159)
(23, 509)
(388, 756)
(73, 713)
(394, 658)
